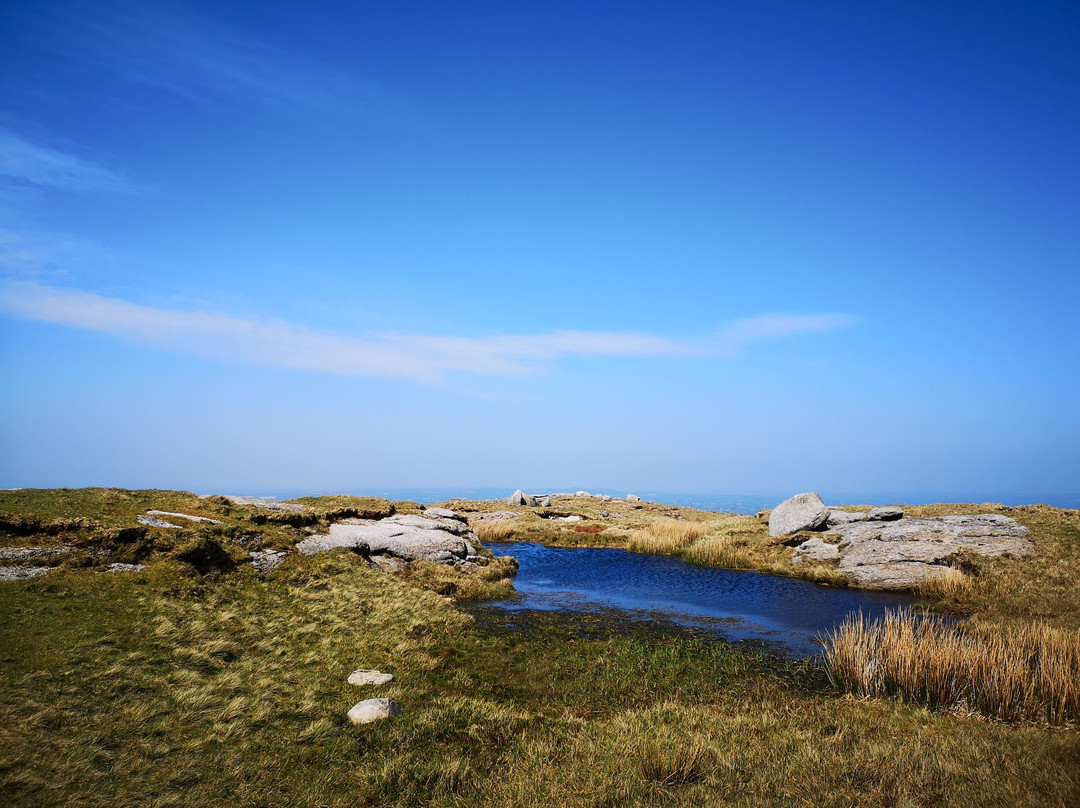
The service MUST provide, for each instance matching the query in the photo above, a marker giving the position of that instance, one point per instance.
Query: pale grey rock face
(153, 521)
(118, 567)
(582, 494)
(407, 537)
(889, 513)
(370, 677)
(816, 549)
(801, 512)
(633, 498)
(443, 513)
(904, 553)
(27, 553)
(495, 516)
(521, 498)
(370, 710)
(200, 519)
(21, 573)
(545, 502)
(266, 561)
(605, 498)
(266, 504)
(837, 518)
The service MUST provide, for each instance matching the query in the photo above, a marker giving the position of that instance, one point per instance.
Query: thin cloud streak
(190, 55)
(424, 358)
(29, 163)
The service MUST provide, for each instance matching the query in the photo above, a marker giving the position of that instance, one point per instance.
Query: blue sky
(727, 247)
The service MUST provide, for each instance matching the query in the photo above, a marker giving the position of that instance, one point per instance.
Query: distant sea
(726, 503)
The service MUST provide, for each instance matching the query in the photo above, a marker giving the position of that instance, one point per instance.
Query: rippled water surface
(738, 605)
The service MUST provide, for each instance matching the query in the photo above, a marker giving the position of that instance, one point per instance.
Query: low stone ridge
(903, 553)
(200, 519)
(495, 516)
(21, 573)
(153, 521)
(118, 567)
(370, 677)
(800, 512)
(266, 504)
(889, 513)
(27, 553)
(370, 710)
(837, 517)
(440, 540)
(443, 513)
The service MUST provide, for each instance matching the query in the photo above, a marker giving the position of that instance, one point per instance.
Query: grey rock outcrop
(521, 498)
(258, 502)
(495, 516)
(266, 561)
(205, 520)
(816, 549)
(441, 540)
(370, 710)
(633, 498)
(890, 513)
(153, 521)
(21, 573)
(837, 517)
(28, 553)
(800, 512)
(901, 554)
(443, 513)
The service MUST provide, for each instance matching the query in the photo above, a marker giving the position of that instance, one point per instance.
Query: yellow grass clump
(494, 531)
(1030, 671)
(665, 536)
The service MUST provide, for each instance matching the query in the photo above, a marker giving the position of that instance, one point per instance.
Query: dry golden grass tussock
(665, 536)
(1029, 671)
(495, 531)
(951, 586)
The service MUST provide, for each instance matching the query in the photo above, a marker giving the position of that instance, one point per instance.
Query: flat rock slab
(118, 567)
(890, 513)
(800, 512)
(371, 710)
(153, 521)
(21, 573)
(818, 550)
(495, 516)
(837, 517)
(902, 554)
(439, 540)
(363, 677)
(258, 502)
(28, 553)
(204, 520)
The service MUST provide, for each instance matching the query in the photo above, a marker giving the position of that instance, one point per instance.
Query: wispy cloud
(188, 54)
(27, 163)
(275, 343)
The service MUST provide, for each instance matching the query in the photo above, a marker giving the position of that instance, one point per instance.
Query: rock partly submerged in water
(800, 512)
(438, 539)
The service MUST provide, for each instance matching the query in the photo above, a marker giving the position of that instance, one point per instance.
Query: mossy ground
(175, 687)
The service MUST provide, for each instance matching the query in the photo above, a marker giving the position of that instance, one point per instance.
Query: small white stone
(362, 677)
(370, 710)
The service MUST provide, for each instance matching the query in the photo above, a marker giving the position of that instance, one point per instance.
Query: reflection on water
(739, 605)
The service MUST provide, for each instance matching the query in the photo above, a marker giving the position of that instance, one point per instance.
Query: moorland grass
(1008, 672)
(171, 688)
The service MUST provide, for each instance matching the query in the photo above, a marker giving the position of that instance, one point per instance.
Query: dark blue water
(738, 605)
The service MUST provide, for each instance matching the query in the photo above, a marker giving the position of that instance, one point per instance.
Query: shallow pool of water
(739, 605)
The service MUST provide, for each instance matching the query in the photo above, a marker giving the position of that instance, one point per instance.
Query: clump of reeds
(665, 536)
(717, 551)
(1029, 671)
(949, 585)
(494, 531)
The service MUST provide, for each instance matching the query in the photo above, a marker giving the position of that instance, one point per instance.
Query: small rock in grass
(363, 677)
(371, 710)
(633, 498)
(21, 573)
(118, 567)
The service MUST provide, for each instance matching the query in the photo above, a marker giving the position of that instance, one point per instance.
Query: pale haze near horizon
(714, 247)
